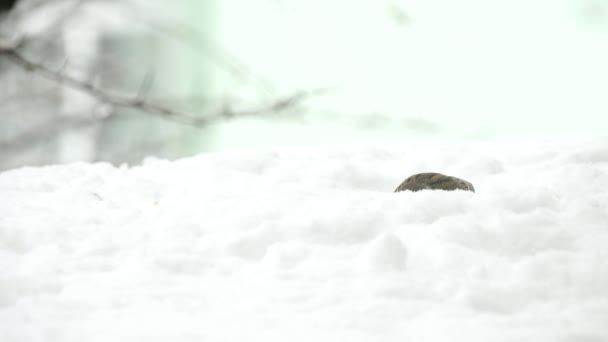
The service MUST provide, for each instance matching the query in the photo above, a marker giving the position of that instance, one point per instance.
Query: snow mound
(310, 245)
(387, 253)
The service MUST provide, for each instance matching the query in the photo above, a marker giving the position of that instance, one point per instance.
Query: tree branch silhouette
(140, 104)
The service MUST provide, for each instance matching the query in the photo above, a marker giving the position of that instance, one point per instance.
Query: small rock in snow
(434, 181)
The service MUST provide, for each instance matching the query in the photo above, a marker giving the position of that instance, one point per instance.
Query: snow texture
(311, 246)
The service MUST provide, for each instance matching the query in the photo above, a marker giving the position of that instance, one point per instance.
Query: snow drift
(310, 246)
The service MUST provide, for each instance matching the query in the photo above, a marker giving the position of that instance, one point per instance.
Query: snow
(311, 245)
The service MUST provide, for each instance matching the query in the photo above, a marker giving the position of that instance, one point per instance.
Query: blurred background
(120, 80)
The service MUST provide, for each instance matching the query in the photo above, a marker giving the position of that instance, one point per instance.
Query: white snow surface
(311, 245)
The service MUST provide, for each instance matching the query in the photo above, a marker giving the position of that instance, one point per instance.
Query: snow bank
(310, 246)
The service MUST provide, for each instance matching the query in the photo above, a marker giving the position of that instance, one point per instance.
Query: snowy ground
(311, 246)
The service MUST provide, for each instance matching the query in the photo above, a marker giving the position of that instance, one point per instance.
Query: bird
(434, 181)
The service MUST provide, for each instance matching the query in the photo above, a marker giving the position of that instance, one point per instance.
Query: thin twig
(204, 45)
(145, 85)
(142, 105)
(139, 104)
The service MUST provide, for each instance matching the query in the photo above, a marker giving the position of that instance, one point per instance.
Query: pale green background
(467, 69)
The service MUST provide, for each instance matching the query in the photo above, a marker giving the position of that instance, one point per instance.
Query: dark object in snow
(434, 181)
(7, 5)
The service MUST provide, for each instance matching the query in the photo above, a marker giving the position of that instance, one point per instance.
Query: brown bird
(434, 181)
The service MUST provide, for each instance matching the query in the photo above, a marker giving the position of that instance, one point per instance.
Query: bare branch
(205, 45)
(139, 104)
(55, 12)
(145, 85)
